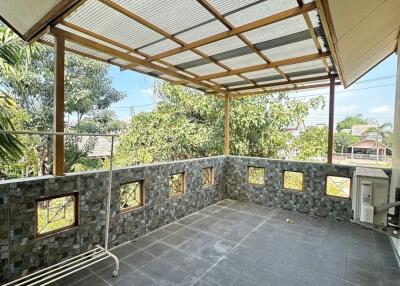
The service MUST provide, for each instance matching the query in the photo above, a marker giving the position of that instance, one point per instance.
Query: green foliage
(343, 140)
(256, 175)
(293, 181)
(188, 125)
(312, 143)
(88, 90)
(350, 121)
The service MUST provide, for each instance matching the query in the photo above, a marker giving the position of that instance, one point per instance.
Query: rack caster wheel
(115, 273)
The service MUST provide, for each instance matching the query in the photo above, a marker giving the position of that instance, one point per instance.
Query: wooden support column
(226, 124)
(331, 116)
(58, 105)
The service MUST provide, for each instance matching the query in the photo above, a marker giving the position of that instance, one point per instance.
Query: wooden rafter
(51, 17)
(156, 29)
(238, 30)
(130, 58)
(313, 35)
(285, 62)
(301, 87)
(267, 85)
(243, 38)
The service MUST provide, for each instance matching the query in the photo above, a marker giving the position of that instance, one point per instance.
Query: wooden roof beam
(267, 85)
(313, 35)
(285, 62)
(238, 30)
(130, 58)
(301, 87)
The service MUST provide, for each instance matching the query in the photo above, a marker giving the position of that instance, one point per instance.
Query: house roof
(218, 46)
(368, 144)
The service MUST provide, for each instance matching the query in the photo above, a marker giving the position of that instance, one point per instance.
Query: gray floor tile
(75, 277)
(174, 239)
(91, 280)
(191, 218)
(177, 277)
(157, 248)
(124, 250)
(139, 259)
(135, 279)
(106, 273)
(157, 269)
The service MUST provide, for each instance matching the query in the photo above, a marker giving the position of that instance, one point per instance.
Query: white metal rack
(69, 266)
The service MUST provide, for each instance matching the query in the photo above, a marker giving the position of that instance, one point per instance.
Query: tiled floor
(232, 243)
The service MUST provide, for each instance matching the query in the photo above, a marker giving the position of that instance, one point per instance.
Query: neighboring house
(368, 146)
(102, 147)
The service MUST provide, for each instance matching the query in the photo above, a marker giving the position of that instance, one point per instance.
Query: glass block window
(207, 177)
(338, 186)
(56, 214)
(176, 184)
(255, 175)
(293, 180)
(131, 195)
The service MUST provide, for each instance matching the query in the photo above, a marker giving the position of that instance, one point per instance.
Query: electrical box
(370, 189)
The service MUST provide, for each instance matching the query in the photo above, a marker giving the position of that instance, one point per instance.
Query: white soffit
(22, 14)
(364, 33)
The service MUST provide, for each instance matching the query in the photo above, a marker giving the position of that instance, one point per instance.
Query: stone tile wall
(312, 200)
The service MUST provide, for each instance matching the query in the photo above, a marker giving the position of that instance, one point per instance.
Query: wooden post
(331, 116)
(226, 124)
(58, 106)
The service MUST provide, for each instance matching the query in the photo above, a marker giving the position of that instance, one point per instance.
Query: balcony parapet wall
(21, 252)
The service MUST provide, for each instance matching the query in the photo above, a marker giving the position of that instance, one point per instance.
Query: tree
(312, 143)
(14, 56)
(343, 140)
(381, 132)
(187, 125)
(88, 91)
(350, 121)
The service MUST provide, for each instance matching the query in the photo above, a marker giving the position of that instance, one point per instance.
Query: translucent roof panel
(302, 66)
(297, 49)
(97, 17)
(172, 16)
(206, 69)
(243, 61)
(202, 31)
(227, 79)
(159, 47)
(277, 30)
(182, 58)
(262, 73)
(245, 11)
(221, 46)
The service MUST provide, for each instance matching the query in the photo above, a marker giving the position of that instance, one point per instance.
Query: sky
(372, 95)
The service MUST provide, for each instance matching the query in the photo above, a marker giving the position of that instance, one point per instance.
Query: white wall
(396, 140)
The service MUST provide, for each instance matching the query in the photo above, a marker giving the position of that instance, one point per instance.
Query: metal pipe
(386, 206)
(110, 177)
(63, 263)
(26, 132)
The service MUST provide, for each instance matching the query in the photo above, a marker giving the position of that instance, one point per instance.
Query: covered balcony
(220, 220)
